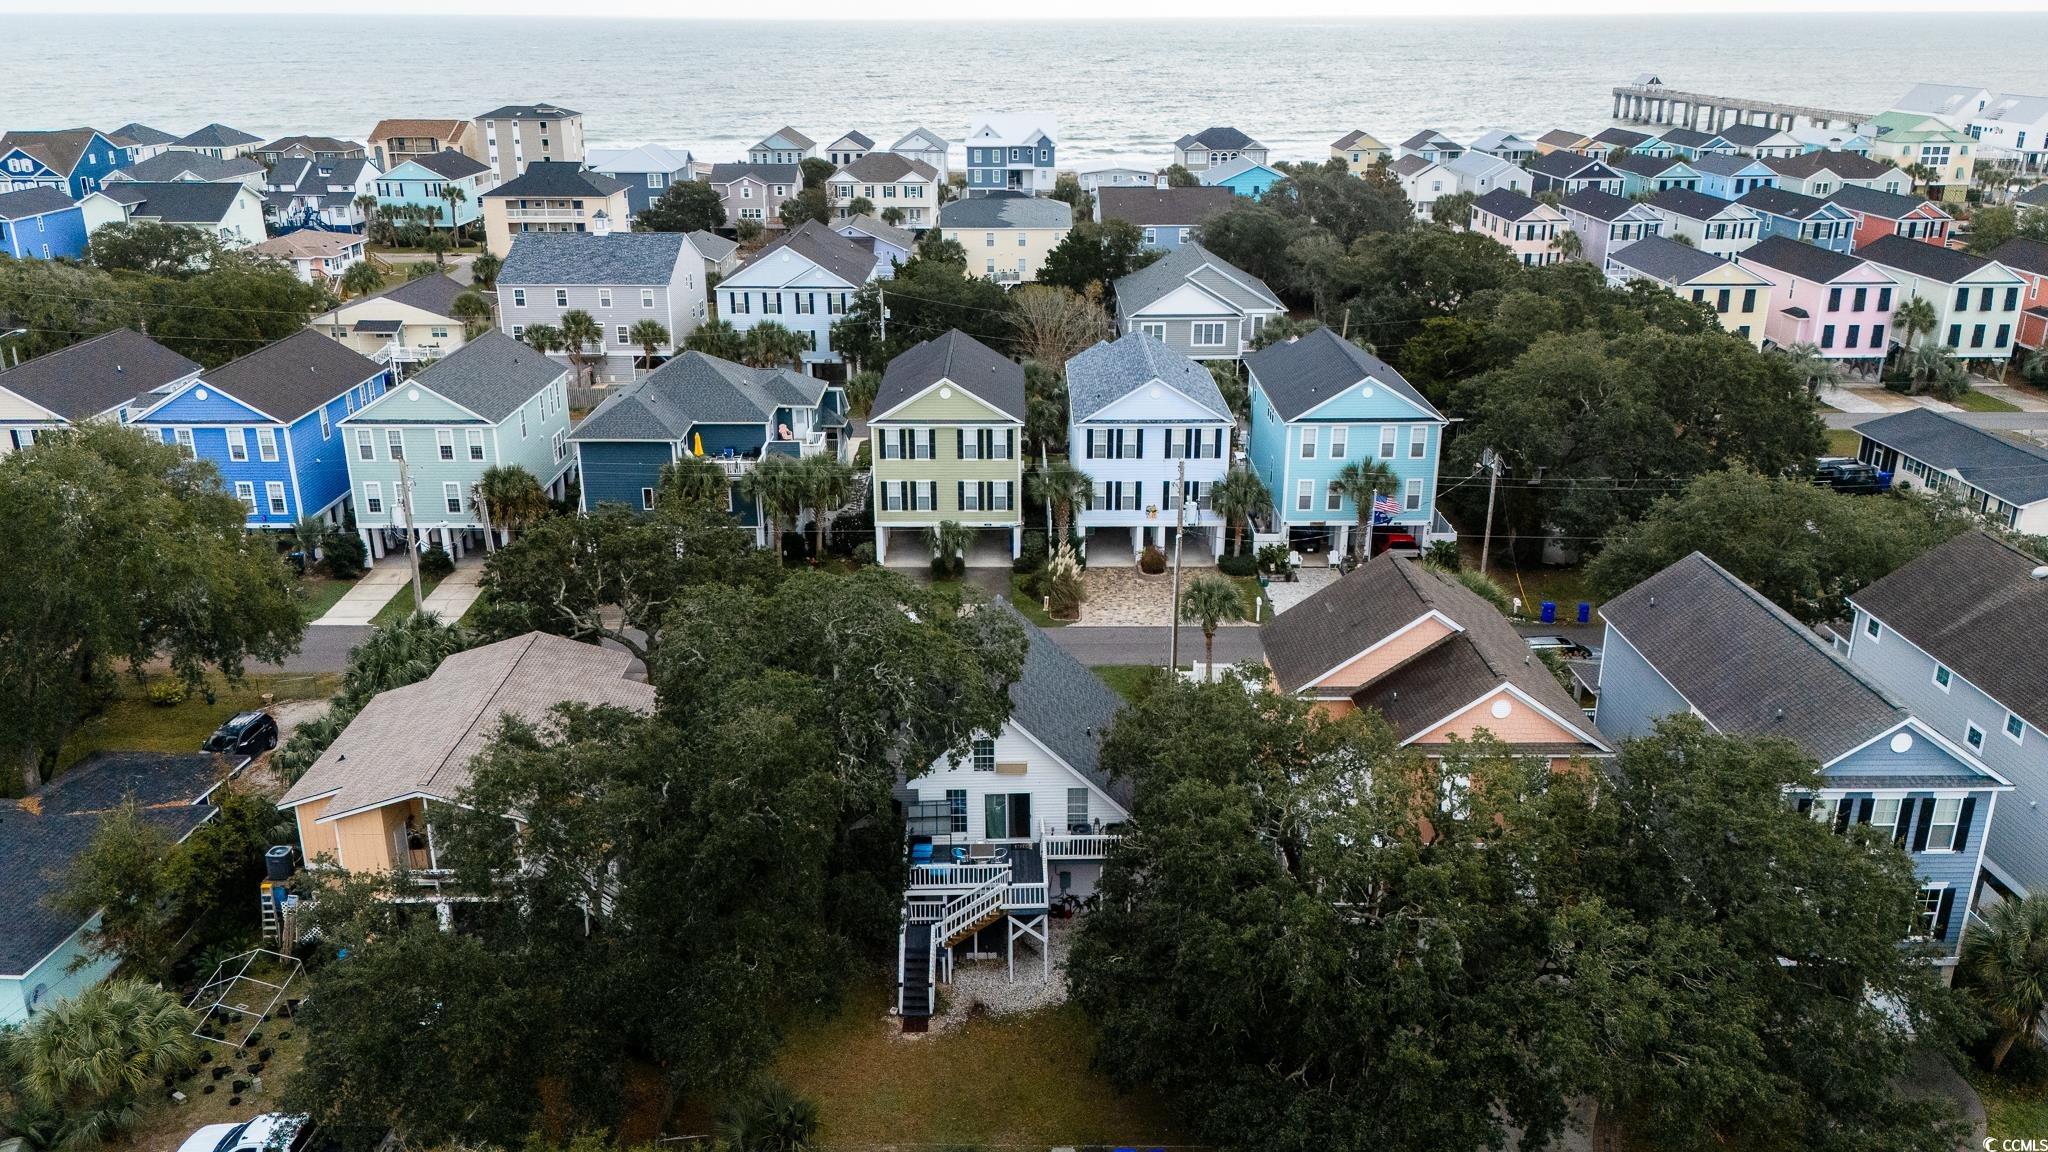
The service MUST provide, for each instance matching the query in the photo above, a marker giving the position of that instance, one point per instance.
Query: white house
(1114, 176)
(1423, 181)
(804, 280)
(1482, 172)
(314, 256)
(231, 212)
(927, 147)
(1140, 413)
(888, 180)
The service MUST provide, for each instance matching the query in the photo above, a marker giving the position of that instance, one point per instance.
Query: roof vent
(1778, 714)
(2040, 573)
(1653, 601)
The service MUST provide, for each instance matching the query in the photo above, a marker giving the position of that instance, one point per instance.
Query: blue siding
(1633, 695)
(1810, 230)
(1739, 185)
(99, 157)
(1924, 758)
(1275, 453)
(53, 979)
(615, 471)
(51, 236)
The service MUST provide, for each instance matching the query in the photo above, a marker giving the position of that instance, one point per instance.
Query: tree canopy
(1091, 257)
(687, 206)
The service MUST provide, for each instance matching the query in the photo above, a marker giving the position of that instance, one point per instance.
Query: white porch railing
(1027, 895)
(964, 912)
(406, 353)
(543, 213)
(924, 908)
(955, 875)
(1067, 846)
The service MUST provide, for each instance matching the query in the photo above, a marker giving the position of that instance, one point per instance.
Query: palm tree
(438, 243)
(402, 652)
(366, 207)
(1237, 498)
(1063, 486)
(1568, 244)
(692, 480)
(717, 338)
(507, 496)
(92, 1058)
(1211, 600)
(474, 311)
(1362, 482)
(825, 483)
(777, 482)
(649, 335)
(948, 539)
(579, 332)
(454, 195)
(1913, 317)
(361, 279)
(770, 345)
(2005, 961)
(483, 271)
(1809, 365)
(544, 338)
(310, 535)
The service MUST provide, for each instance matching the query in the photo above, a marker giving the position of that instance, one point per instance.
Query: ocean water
(1122, 90)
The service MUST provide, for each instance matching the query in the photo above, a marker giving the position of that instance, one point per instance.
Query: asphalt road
(1991, 421)
(325, 649)
(1104, 646)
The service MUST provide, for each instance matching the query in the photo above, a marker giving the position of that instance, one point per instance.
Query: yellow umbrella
(697, 443)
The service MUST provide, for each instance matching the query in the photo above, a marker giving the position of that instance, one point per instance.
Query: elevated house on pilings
(1018, 828)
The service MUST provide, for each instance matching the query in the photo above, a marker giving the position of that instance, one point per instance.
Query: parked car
(1564, 646)
(1851, 476)
(270, 1132)
(245, 734)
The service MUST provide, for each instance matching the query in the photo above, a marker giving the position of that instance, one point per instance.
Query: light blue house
(1246, 178)
(1785, 213)
(1729, 177)
(41, 836)
(1695, 640)
(1013, 154)
(1688, 143)
(1643, 174)
(700, 405)
(269, 422)
(72, 160)
(1319, 402)
(420, 180)
(1957, 634)
(41, 224)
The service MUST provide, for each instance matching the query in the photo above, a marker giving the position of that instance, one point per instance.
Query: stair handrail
(971, 907)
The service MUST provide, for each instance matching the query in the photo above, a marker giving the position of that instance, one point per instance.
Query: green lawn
(1974, 401)
(1128, 679)
(1031, 606)
(401, 605)
(1843, 441)
(130, 723)
(2011, 1110)
(1566, 586)
(1020, 1081)
(1257, 608)
(321, 594)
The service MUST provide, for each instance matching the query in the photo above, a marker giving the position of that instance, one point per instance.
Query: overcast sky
(1039, 9)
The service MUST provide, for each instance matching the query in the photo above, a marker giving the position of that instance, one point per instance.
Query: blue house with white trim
(269, 423)
(72, 160)
(1782, 212)
(1694, 640)
(1732, 177)
(41, 224)
(419, 182)
(699, 405)
(1246, 178)
(1319, 402)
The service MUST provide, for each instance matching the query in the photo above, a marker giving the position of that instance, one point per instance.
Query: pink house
(1835, 302)
(1525, 227)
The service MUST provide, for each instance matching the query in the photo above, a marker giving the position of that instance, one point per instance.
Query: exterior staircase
(924, 947)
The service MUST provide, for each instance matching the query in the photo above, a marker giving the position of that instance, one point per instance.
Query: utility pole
(1490, 460)
(1180, 519)
(882, 310)
(412, 552)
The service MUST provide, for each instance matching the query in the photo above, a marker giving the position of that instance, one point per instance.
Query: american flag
(1387, 505)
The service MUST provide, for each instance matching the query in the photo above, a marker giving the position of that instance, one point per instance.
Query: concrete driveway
(453, 596)
(360, 604)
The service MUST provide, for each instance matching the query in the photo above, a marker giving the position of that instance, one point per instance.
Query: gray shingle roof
(1173, 207)
(41, 836)
(1973, 604)
(1645, 165)
(2023, 255)
(956, 357)
(1300, 373)
(136, 132)
(1003, 210)
(1621, 137)
(821, 246)
(1872, 202)
(177, 201)
(1597, 204)
(1189, 261)
(789, 135)
(887, 233)
(1689, 204)
(882, 167)
(2015, 471)
(32, 202)
(1665, 259)
(451, 164)
(558, 178)
(628, 258)
(859, 138)
(173, 165)
(1506, 203)
(1066, 707)
(434, 294)
(1782, 202)
(1747, 135)
(1930, 261)
(693, 389)
(1686, 137)
(1102, 375)
(491, 376)
(311, 144)
(1224, 138)
(219, 136)
(1722, 163)
(1746, 665)
(2035, 197)
(58, 148)
(1563, 165)
(421, 738)
(96, 375)
(292, 377)
(1562, 138)
(1806, 261)
(712, 246)
(1848, 165)
(529, 112)
(789, 174)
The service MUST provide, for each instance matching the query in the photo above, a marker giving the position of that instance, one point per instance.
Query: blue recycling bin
(1585, 612)
(1550, 611)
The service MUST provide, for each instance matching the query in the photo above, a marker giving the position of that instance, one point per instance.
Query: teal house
(699, 405)
(416, 453)
(1320, 402)
(1247, 178)
(423, 180)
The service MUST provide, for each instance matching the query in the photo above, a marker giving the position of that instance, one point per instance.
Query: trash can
(1550, 611)
(1585, 612)
(277, 862)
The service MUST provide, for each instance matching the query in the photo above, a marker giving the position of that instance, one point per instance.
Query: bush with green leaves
(400, 653)
(167, 692)
(1443, 554)
(769, 1116)
(343, 557)
(84, 1067)
(435, 563)
(1237, 565)
(1273, 559)
(864, 552)
(1032, 556)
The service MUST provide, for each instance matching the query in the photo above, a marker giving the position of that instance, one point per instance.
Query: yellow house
(554, 196)
(1432, 657)
(1907, 138)
(367, 804)
(410, 324)
(1007, 235)
(1740, 298)
(1359, 150)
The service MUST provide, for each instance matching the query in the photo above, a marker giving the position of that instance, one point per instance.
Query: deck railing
(955, 875)
(1027, 895)
(1078, 846)
(963, 912)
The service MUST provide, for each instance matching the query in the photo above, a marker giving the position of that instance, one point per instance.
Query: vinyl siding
(423, 417)
(1633, 695)
(53, 979)
(947, 470)
(614, 472)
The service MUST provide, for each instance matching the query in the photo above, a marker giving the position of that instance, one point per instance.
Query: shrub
(1237, 565)
(849, 530)
(796, 547)
(1031, 557)
(1061, 584)
(344, 557)
(1273, 559)
(769, 1116)
(168, 691)
(435, 563)
(1482, 585)
(948, 567)
(1152, 561)
(864, 552)
(1443, 554)
(863, 457)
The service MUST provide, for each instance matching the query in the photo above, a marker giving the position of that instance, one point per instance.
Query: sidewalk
(360, 604)
(453, 596)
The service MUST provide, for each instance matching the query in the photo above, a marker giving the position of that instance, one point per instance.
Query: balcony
(394, 352)
(1007, 276)
(544, 214)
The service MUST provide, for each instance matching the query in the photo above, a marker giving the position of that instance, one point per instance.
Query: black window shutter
(960, 443)
(960, 494)
(1805, 805)
(1963, 822)
(1141, 442)
(1010, 442)
(1926, 817)
(1863, 810)
(1011, 487)
(1218, 453)
(1948, 905)
(1905, 826)
(1843, 808)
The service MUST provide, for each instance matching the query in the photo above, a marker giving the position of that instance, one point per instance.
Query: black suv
(1850, 476)
(245, 734)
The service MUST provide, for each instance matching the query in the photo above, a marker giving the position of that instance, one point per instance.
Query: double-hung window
(1130, 443)
(238, 445)
(1413, 501)
(956, 808)
(245, 491)
(1418, 441)
(1308, 442)
(1340, 437)
(1941, 824)
(366, 448)
(394, 443)
(1304, 496)
(1387, 435)
(274, 491)
(444, 443)
(451, 497)
(1333, 497)
(183, 436)
(326, 427)
(604, 297)
(475, 438)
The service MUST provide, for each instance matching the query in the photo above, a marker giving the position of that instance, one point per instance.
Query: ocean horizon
(1122, 90)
